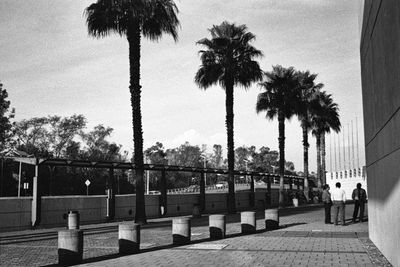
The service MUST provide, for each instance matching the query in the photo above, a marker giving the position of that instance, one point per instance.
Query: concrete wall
(380, 67)
(15, 213)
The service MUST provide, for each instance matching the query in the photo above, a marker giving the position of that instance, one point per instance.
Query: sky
(51, 66)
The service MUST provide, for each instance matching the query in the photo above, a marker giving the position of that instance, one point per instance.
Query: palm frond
(234, 55)
(154, 17)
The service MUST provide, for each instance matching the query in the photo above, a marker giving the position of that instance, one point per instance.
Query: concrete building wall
(380, 67)
(15, 213)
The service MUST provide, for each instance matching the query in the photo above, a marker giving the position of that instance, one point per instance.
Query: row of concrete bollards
(70, 241)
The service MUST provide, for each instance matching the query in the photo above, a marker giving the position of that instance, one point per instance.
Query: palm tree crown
(228, 60)
(326, 114)
(325, 117)
(133, 18)
(154, 17)
(280, 99)
(281, 94)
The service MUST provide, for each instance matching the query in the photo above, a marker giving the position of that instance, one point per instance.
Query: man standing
(339, 198)
(326, 199)
(360, 197)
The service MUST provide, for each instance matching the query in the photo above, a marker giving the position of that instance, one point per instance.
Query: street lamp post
(245, 162)
(147, 177)
(204, 166)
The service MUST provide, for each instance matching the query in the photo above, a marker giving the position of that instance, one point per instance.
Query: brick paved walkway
(302, 240)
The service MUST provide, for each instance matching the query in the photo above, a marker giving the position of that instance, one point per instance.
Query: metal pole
(348, 142)
(205, 167)
(147, 178)
(340, 161)
(19, 179)
(358, 155)
(334, 149)
(344, 151)
(330, 152)
(352, 143)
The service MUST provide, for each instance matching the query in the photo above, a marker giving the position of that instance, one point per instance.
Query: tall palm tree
(132, 19)
(308, 89)
(280, 99)
(325, 118)
(228, 60)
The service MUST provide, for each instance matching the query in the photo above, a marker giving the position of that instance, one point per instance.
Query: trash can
(73, 219)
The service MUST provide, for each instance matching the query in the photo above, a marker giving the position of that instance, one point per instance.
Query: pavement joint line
(280, 250)
(27, 246)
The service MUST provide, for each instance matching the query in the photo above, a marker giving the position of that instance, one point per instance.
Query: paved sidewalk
(302, 240)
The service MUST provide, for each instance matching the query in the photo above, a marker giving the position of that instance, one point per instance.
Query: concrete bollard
(73, 219)
(217, 225)
(248, 222)
(271, 219)
(70, 246)
(129, 238)
(181, 231)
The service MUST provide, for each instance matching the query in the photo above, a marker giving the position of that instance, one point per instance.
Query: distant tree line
(66, 137)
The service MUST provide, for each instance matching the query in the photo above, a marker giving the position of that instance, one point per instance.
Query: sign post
(87, 183)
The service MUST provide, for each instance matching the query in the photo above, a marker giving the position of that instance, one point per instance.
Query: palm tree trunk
(306, 145)
(323, 155)
(319, 181)
(281, 121)
(135, 89)
(231, 152)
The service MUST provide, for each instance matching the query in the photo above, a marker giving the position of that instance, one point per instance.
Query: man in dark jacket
(360, 197)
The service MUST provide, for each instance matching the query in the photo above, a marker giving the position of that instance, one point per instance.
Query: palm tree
(228, 60)
(280, 99)
(325, 118)
(131, 19)
(308, 89)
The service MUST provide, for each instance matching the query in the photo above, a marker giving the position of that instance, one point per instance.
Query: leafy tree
(217, 157)
(264, 160)
(242, 158)
(280, 99)
(308, 90)
(62, 131)
(31, 136)
(156, 154)
(48, 137)
(5, 119)
(188, 155)
(229, 61)
(325, 118)
(129, 18)
(98, 148)
(59, 134)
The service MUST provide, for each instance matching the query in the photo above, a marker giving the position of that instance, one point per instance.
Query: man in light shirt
(339, 198)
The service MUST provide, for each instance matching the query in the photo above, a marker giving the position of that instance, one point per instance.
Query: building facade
(348, 180)
(380, 73)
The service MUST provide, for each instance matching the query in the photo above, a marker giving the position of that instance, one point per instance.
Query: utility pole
(352, 143)
(348, 142)
(358, 155)
(334, 150)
